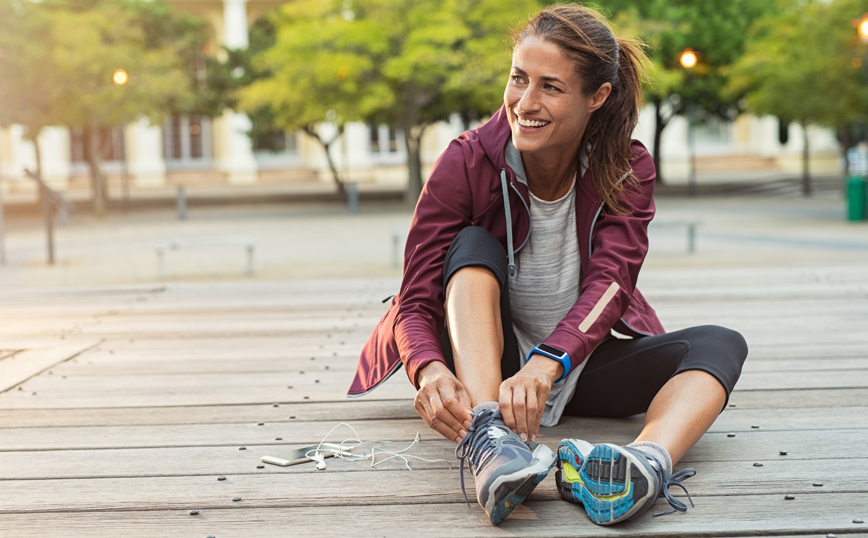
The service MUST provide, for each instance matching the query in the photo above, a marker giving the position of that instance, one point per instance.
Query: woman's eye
(550, 87)
(517, 79)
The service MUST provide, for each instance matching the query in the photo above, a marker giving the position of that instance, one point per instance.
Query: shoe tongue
(496, 432)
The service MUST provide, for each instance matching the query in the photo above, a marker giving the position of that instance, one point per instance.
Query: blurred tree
(804, 64)
(63, 57)
(407, 63)
(716, 29)
(28, 77)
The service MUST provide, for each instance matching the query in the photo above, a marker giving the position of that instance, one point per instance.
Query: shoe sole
(507, 492)
(571, 456)
(614, 485)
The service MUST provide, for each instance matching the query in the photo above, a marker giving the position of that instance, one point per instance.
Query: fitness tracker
(554, 354)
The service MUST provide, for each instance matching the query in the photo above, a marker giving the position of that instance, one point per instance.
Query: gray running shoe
(616, 483)
(504, 467)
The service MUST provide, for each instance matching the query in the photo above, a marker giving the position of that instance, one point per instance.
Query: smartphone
(299, 455)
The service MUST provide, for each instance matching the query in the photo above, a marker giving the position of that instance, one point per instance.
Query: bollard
(396, 249)
(856, 198)
(352, 196)
(181, 204)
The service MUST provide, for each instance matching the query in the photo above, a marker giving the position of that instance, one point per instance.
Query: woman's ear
(600, 96)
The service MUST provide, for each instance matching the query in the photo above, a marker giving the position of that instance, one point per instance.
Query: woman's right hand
(443, 402)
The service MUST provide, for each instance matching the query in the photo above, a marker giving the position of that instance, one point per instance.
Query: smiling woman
(521, 265)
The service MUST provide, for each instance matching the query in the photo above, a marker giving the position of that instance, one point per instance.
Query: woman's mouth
(530, 123)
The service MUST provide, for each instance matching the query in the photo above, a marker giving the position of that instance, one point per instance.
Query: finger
(451, 408)
(519, 405)
(457, 413)
(465, 414)
(443, 421)
(505, 405)
(533, 415)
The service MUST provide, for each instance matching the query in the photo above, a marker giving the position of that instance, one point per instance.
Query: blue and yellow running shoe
(504, 467)
(615, 483)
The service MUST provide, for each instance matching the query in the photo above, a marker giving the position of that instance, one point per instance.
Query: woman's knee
(474, 246)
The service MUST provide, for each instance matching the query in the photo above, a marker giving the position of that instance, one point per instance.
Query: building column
(234, 148)
(144, 147)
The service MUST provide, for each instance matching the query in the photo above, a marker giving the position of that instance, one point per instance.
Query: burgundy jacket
(466, 189)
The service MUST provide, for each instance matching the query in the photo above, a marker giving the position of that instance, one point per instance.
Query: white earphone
(320, 461)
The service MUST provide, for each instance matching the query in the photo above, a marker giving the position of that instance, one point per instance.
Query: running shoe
(616, 483)
(505, 468)
(572, 454)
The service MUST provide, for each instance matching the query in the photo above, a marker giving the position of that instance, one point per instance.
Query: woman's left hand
(523, 396)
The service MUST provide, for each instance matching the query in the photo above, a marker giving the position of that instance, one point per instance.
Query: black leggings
(622, 376)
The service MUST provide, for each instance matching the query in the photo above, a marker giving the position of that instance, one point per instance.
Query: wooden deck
(121, 406)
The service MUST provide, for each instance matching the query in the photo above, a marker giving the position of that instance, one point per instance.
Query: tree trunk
(93, 155)
(326, 146)
(806, 176)
(660, 123)
(412, 143)
(34, 138)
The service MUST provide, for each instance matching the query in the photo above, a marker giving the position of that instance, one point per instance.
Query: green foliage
(716, 29)
(407, 63)
(29, 83)
(805, 64)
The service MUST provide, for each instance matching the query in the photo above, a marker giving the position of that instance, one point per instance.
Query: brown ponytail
(584, 35)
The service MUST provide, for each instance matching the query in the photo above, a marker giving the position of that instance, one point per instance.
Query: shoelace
(476, 445)
(675, 480)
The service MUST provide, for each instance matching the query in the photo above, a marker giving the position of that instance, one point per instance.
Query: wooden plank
(305, 432)
(839, 379)
(209, 414)
(713, 459)
(30, 362)
(377, 487)
(798, 398)
(718, 516)
(313, 385)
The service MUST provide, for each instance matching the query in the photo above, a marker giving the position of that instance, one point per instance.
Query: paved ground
(322, 240)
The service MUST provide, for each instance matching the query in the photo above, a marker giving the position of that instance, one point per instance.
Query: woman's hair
(584, 35)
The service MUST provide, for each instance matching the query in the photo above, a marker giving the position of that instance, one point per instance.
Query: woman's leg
(681, 380)
(682, 412)
(479, 346)
(475, 334)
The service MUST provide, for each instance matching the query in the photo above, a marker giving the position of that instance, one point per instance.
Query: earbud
(320, 461)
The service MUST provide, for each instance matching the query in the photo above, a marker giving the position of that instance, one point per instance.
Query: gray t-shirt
(547, 283)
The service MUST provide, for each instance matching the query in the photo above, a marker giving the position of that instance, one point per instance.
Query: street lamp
(688, 60)
(120, 77)
(862, 27)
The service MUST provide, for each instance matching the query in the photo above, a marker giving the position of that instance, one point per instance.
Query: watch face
(553, 351)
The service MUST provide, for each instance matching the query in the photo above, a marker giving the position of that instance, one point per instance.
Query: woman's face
(544, 100)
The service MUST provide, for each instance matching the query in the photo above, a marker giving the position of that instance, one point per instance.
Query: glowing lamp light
(688, 58)
(120, 77)
(862, 26)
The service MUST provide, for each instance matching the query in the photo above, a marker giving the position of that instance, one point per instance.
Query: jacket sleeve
(619, 243)
(443, 209)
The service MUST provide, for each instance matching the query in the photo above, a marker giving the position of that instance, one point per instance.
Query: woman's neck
(549, 179)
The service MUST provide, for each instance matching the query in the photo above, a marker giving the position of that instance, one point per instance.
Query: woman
(522, 260)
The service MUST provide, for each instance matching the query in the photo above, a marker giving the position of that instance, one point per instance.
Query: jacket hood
(492, 136)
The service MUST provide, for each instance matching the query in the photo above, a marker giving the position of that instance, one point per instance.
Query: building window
(384, 139)
(277, 142)
(111, 144)
(187, 141)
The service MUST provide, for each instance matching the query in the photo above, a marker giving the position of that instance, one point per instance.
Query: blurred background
(127, 123)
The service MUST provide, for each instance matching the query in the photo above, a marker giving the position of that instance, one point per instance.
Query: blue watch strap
(563, 359)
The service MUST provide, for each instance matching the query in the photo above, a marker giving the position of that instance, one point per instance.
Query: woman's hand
(443, 402)
(523, 396)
